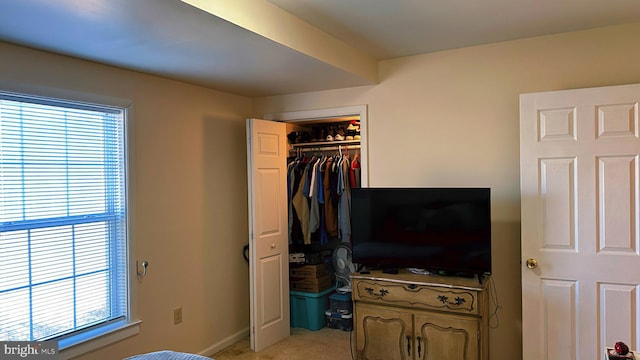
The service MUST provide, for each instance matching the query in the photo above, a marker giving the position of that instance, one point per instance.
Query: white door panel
(268, 231)
(580, 213)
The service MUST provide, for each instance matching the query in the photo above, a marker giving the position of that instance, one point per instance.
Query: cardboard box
(312, 285)
(308, 271)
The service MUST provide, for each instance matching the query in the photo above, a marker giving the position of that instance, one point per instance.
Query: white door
(268, 232)
(580, 207)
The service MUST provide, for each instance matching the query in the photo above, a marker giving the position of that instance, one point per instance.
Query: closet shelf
(325, 148)
(326, 143)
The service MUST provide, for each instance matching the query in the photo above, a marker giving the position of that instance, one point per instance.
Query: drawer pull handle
(412, 286)
(457, 301)
(409, 345)
(419, 347)
(381, 292)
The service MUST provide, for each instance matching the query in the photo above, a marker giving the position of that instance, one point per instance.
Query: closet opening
(323, 165)
(323, 154)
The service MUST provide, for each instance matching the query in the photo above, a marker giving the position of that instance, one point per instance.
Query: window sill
(95, 339)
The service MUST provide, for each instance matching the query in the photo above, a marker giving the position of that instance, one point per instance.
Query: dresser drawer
(416, 296)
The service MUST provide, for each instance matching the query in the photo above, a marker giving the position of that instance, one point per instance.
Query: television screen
(443, 230)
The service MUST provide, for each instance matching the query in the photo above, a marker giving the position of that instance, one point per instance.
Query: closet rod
(327, 148)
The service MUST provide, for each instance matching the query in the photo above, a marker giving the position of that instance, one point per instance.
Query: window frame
(87, 340)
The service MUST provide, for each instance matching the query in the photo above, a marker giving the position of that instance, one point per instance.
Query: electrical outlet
(177, 316)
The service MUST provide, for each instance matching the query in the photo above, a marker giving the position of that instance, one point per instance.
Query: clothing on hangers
(319, 194)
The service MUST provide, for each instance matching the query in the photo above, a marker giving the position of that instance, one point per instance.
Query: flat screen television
(440, 230)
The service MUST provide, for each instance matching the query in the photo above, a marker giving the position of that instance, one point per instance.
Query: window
(63, 218)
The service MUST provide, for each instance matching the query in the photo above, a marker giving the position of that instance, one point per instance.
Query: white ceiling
(394, 28)
(173, 39)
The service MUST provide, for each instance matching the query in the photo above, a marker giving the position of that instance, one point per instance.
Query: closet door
(268, 232)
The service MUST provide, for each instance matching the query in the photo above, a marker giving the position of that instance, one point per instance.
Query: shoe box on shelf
(340, 313)
(309, 278)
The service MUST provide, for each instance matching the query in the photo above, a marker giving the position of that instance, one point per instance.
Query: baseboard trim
(224, 343)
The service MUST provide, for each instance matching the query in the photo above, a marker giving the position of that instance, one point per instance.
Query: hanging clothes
(319, 194)
(344, 202)
(314, 205)
(324, 236)
(299, 212)
(330, 199)
(290, 182)
(354, 172)
(301, 204)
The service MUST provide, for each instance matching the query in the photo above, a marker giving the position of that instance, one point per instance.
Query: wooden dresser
(410, 316)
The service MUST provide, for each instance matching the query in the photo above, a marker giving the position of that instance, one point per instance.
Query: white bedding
(167, 355)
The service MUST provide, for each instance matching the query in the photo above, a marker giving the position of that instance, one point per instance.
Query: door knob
(532, 263)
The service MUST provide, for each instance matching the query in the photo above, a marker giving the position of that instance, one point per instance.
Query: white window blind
(63, 244)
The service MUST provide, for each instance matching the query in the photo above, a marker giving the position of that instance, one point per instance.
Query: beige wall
(443, 119)
(189, 163)
(451, 119)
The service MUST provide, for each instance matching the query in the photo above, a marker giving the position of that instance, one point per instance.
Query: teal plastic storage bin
(307, 309)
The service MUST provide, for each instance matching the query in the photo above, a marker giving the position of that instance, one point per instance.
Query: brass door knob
(532, 263)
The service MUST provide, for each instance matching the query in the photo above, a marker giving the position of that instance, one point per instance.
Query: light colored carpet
(324, 344)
